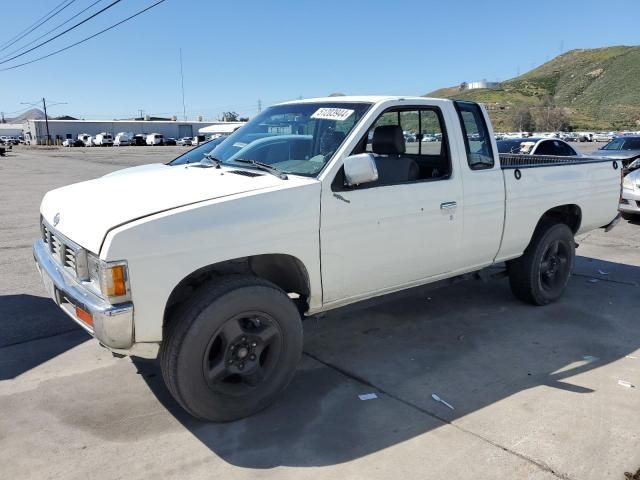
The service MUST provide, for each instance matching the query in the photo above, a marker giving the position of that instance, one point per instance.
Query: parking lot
(535, 391)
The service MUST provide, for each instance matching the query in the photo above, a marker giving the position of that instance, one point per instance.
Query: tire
(541, 274)
(629, 216)
(230, 350)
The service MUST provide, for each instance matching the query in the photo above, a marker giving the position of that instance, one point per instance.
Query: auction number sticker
(339, 114)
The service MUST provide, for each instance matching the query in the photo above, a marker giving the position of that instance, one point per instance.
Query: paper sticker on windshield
(339, 114)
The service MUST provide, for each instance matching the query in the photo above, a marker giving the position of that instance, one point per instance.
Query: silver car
(625, 146)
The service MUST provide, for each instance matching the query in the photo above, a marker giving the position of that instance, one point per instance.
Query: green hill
(594, 89)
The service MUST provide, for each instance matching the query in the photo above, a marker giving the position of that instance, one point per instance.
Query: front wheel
(232, 348)
(541, 274)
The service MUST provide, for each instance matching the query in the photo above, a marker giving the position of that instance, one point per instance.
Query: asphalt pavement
(535, 391)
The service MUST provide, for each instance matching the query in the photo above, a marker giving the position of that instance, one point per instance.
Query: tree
(521, 119)
(550, 117)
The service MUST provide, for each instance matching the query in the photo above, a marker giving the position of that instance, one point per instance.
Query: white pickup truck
(211, 261)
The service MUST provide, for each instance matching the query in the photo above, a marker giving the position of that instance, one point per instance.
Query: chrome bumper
(112, 324)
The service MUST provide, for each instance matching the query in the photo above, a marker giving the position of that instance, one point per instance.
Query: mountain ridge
(594, 88)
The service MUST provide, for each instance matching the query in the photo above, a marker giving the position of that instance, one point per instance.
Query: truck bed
(536, 183)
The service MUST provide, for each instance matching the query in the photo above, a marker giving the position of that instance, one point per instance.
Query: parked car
(73, 142)
(585, 137)
(86, 139)
(199, 140)
(603, 137)
(221, 252)
(9, 140)
(184, 141)
(122, 139)
(623, 148)
(630, 198)
(169, 141)
(569, 137)
(155, 139)
(139, 140)
(103, 139)
(537, 146)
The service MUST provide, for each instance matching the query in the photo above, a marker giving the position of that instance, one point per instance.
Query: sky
(239, 53)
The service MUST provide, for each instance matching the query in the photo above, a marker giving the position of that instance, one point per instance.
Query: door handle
(448, 205)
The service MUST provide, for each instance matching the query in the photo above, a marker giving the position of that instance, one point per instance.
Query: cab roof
(361, 99)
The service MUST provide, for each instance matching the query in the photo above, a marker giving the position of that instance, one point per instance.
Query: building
(10, 129)
(221, 128)
(35, 131)
(478, 84)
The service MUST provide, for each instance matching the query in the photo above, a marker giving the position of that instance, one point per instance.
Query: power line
(33, 24)
(52, 30)
(21, 36)
(62, 33)
(84, 39)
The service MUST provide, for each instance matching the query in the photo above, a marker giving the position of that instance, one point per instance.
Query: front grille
(65, 252)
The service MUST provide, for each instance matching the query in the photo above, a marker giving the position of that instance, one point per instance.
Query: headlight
(111, 279)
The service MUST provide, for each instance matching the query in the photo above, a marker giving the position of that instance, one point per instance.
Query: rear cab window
(476, 136)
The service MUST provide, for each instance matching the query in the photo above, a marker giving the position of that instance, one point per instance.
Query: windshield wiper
(264, 167)
(210, 161)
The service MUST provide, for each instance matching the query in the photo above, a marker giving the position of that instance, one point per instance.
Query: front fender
(163, 249)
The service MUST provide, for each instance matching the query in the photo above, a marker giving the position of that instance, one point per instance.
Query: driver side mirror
(359, 169)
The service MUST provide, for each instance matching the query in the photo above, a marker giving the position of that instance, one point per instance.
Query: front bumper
(112, 324)
(630, 201)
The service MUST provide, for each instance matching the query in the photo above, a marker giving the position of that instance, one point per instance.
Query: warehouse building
(35, 131)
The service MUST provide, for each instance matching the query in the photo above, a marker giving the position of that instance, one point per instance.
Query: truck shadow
(25, 318)
(472, 343)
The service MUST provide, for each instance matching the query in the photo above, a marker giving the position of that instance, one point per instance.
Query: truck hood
(86, 211)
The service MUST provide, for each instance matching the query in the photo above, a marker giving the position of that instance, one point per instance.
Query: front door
(405, 227)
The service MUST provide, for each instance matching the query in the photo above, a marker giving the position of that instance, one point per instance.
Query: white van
(86, 139)
(122, 139)
(103, 139)
(155, 139)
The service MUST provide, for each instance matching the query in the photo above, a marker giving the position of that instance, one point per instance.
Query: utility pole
(184, 110)
(46, 119)
(259, 106)
(46, 116)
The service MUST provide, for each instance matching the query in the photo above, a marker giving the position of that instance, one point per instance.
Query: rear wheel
(541, 274)
(232, 348)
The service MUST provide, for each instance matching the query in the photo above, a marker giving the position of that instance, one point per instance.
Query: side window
(565, 150)
(476, 136)
(546, 148)
(408, 145)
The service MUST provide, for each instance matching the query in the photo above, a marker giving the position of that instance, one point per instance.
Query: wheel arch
(285, 271)
(569, 214)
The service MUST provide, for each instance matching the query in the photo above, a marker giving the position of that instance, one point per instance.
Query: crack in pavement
(538, 463)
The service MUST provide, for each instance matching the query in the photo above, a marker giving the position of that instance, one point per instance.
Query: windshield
(298, 138)
(622, 143)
